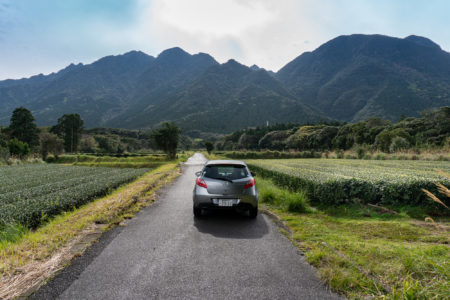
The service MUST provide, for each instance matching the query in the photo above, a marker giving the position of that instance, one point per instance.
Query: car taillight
(201, 182)
(249, 183)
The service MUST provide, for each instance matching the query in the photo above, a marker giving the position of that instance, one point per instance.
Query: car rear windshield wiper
(223, 178)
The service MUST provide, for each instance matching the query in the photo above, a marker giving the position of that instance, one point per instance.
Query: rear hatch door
(225, 187)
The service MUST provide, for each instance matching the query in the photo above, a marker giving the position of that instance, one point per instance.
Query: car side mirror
(198, 174)
(253, 174)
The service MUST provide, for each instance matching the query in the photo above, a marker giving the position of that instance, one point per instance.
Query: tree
(69, 128)
(88, 144)
(166, 138)
(107, 144)
(18, 148)
(209, 146)
(3, 138)
(398, 144)
(23, 128)
(51, 143)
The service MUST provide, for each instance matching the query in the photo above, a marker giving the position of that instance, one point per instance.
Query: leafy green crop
(29, 194)
(329, 181)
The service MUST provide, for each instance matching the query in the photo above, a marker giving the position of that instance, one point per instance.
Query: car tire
(197, 212)
(253, 212)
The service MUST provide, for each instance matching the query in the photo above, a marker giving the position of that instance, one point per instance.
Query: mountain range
(349, 78)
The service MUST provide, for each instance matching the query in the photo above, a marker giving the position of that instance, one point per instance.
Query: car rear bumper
(203, 199)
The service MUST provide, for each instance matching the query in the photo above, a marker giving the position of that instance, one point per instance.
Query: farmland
(329, 181)
(131, 161)
(30, 194)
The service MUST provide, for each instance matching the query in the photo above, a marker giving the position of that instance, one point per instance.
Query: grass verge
(362, 253)
(35, 255)
(141, 161)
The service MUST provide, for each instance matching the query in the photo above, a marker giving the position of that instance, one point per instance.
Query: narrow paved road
(164, 253)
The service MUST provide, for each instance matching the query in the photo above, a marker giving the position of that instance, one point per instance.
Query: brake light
(201, 182)
(249, 183)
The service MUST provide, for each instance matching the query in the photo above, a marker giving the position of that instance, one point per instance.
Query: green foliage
(398, 144)
(351, 78)
(344, 181)
(23, 128)
(3, 137)
(295, 202)
(124, 161)
(30, 194)
(166, 138)
(360, 152)
(318, 137)
(107, 144)
(69, 128)
(51, 143)
(376, 252)
(11, 232)
(269, 154)
(209, 146)
(18, 148)
(88, 144)
(433, 129)
(4, 154)
(257, 134)
(287, 200)
(359, 76)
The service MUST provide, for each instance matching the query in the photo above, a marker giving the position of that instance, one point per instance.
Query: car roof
(225, 162)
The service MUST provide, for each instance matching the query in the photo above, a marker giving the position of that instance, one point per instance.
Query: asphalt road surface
(164, 253)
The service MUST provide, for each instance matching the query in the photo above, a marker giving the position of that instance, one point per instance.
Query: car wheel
(253, 212)
(197, 212)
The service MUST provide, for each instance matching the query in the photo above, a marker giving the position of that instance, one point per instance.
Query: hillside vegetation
(431, 130)
(349, 78)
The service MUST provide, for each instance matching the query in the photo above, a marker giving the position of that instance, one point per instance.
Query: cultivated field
(339, 181)
(29, 194)
(132, 161)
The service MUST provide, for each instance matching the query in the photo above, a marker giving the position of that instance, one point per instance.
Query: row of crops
(328, 181)
(30, 194)
(144, 161)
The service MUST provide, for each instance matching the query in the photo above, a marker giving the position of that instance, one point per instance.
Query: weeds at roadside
(10, 233)
(290, 201)
(362, 252)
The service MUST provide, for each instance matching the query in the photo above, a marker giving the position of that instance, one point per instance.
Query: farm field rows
(141, 161)
(331, 181)
(29, 194)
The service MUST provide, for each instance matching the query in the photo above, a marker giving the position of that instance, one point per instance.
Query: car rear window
(230, 172)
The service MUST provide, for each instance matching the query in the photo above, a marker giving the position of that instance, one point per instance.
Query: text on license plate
(225, 202)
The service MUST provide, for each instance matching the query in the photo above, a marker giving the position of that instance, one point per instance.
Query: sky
(44, 36)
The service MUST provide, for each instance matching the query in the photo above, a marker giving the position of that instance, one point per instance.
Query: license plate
(225, 202)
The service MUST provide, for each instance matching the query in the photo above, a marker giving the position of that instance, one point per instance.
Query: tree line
(430, 130)
(22, 137)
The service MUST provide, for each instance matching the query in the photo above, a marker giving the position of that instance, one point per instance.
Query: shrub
(360, 152)
(18, 148)
(295, 202)
(367, 156)
(398, 143)
(267, 195)
(4, 154)
(380, 156)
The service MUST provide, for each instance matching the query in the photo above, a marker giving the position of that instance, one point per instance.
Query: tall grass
(270, 194)
(10, 233)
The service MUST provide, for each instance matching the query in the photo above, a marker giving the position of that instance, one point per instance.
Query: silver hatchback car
(225, 184)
